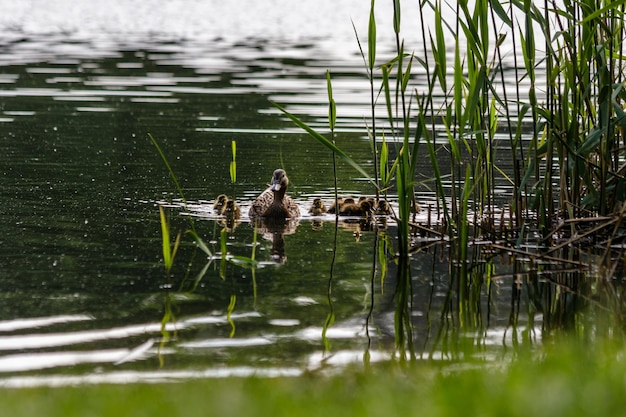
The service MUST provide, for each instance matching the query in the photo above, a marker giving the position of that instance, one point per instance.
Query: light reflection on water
(84, 287)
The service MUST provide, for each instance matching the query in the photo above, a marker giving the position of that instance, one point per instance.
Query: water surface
(85, 297)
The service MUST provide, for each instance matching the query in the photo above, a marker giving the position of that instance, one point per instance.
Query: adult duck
(273, 203)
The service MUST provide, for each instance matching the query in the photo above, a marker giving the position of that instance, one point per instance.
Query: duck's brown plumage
(273, 203)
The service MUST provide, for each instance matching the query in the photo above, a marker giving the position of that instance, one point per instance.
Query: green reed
(332, 120)
(568, 165)
(169, 250)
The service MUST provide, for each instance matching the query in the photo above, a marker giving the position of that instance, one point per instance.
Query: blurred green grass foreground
(564, 379)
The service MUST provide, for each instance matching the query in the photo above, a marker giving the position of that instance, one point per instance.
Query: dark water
(85, 297)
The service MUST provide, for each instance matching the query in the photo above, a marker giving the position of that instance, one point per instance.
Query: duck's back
(265, 206)
(292, 208)
(261, 204)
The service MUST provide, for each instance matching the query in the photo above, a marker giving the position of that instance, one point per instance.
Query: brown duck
(273, 203)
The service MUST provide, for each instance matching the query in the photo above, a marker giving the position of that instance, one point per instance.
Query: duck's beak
(275, 185)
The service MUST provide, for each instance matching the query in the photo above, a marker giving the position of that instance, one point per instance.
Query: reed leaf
(371, 39)
(324, 141)
(229, 315)
(169, 168)
(387, 91)
(200, 243)
(332, 108)
(396, 16)
(233, 162)
(224, 252)
(384, 169)
(243, 261)
(169, 251)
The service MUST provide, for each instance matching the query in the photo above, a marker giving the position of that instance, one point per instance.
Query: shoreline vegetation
(566, 381)
(568, 184)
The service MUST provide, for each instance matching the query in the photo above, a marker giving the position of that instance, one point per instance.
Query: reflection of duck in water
(273, 203)
(317, 208)
(220, 203)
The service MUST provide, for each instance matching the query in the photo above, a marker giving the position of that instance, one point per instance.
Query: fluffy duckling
(231, 210)
(220, 203)
(333, 207)
(367, 208)
(317, 208)
(383, 208)
(351, 208)
(273, 203)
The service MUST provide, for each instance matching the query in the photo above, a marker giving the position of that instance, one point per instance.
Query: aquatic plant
(570, 165)
(169, 250)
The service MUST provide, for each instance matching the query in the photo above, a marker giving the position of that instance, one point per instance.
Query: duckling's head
(279, 181)
(220, 202)
(367, 207)
(383, 207)
(317, 207)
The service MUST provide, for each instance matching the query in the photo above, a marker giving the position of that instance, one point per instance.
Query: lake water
(85, 298)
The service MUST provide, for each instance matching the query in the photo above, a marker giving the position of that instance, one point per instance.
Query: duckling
(231, 210)
(317, 208)
(351, 208)
(273, 203)
(383, 207)
(370, 199)
(333, 207)
(367, 208)
(220, 203)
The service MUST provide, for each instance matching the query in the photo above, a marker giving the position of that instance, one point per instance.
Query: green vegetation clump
(571, 380)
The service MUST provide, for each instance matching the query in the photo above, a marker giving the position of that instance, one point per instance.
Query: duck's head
(318, 203)
(220, 202)
(279, 181)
